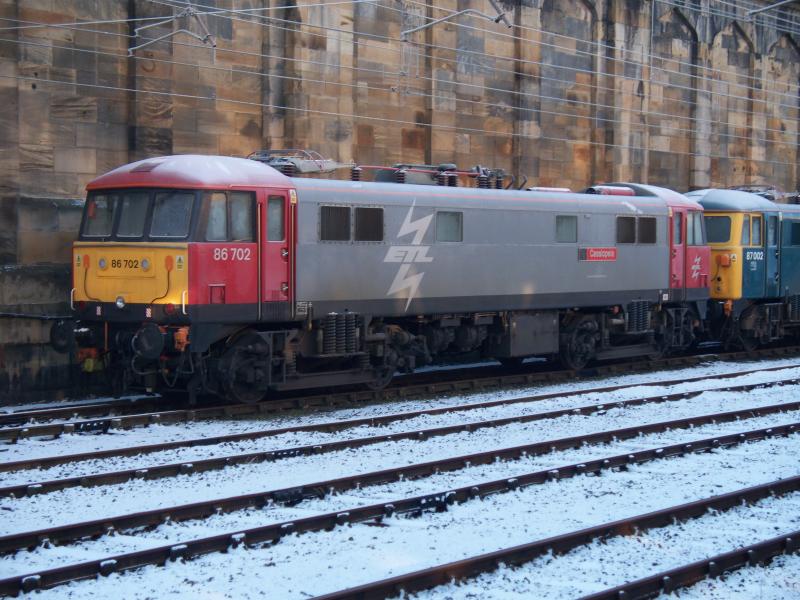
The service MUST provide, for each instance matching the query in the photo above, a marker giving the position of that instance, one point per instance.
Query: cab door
(677, 254)
(223, 263)
(753, 263)
(773, 256)
(276, 255)
(697, 252)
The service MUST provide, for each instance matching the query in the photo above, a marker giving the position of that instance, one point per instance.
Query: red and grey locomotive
(223, 275)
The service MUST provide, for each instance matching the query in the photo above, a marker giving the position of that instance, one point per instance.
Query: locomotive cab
(174, 255)
(747, 304)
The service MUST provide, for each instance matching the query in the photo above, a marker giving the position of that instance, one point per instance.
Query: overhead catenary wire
(132, 20)
(716, 92)
(365, 117)
(711, 69)
(637, 125)
(180, 4)
(540, 63)
(569, 114)
(633, 110)
(596, 43)
(659, 126)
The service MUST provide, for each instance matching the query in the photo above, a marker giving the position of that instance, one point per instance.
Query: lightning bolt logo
(402, 281)
(419, 227)
(414, 253)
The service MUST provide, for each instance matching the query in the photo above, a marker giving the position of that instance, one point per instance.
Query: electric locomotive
(755, 251)
(223, 275)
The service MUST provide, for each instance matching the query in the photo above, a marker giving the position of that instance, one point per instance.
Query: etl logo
(696, 267)
(408, 255)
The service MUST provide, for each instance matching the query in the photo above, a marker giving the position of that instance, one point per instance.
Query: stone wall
(576, 92)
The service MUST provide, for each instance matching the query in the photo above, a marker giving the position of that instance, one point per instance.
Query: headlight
(145, 264)
(120, 302)
(102, 263)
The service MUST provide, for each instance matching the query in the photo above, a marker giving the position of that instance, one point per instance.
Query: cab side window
(756, 231)
(694, 229)
(772, 231)
(229, 217)
(795, 233)
(217, 223)
(677, 234)
(746, 231)
(241, 220)
(276, 219)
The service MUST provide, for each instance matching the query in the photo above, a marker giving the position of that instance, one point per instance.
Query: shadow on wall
(35, 254)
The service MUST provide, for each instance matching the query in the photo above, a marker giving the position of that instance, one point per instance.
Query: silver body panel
(508, 259)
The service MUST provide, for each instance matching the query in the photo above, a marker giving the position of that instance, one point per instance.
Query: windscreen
(99, 216)
(172, 213)
(132, 215)
(718, 229)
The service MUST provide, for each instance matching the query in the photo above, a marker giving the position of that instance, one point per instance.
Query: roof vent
(610, 190)
(145, 167)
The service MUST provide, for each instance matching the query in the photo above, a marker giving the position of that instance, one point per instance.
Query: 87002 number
(231, 253)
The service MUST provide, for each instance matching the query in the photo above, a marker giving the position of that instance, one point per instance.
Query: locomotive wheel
(383, 376)
(581, 344)
(747, 343)
(242, 369)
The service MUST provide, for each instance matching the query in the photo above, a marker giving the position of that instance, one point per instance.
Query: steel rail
(273, 533)
(713, 567)
(73, 411)
(348, 398)
(340, 425)
(321, 489)
(425, 382)
(221, 462)
(561, 544)
(411, 582)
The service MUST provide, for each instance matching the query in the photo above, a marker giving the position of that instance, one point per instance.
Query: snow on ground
(779, 580)
(88, 442)
(317, 563)
(78, 442)
(138, 494)
(612, 562)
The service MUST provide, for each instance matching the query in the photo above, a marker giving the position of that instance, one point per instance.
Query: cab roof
(732, 201)
(192, 171)
(670, 197)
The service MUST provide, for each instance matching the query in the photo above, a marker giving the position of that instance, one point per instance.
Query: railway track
(414, 506)
(713, 567)
(521, 554)
(377, 421)
(335, 492)
(216, 463)
(105, 417)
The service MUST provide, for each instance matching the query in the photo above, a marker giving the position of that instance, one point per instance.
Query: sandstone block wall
(682, 94)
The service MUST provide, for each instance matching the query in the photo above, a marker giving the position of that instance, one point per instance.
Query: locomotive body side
(504, 256)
